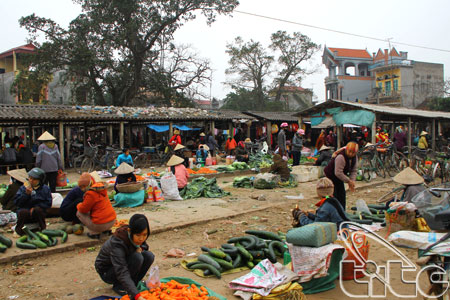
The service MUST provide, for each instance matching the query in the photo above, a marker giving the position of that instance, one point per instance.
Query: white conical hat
(204, 147)
(19, 174)
(174, 160)
(202, 134)
(178, 147)
(423, 133)
(408, 177)
(324, 148)
(46, 136)
(124, 168)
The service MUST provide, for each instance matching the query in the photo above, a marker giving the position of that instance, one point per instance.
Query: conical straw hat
(174, 160)
(178, 147)
(324, 148)
(46, 137)
(202, 134)
(423, 133)
(408, 177)
(204, 147)
(124, 168)
(19, 174)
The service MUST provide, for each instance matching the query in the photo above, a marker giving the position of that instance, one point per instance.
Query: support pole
(409, 136)
(130, 135)
(110, 135)
(269, 133)
(170, 129)
(61, 142)
(339, 136)
(30, 135)
(213, 128)
(68, 140)
(150, 137)
(433, 135)
(121, 134)
(84, 134)
(373, 132)
(231, 129)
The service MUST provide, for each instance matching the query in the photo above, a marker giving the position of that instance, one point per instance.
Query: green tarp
(355, 117)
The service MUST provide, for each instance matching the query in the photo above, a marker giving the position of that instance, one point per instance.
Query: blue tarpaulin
(316, 119)
(355, 117)
(162, 128)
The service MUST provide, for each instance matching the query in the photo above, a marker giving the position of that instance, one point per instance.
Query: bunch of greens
(242, 182)
(202, 187)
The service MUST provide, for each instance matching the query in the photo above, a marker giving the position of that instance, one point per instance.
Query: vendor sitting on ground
(96, 211)
(124, 157)
(18, 178)
(324, 157)
(280, 167)
(32, 201)
(124, 174)
(176, 166)
(202, 154)
(181, 151)
(412, 181)
(124, 259)
(68, 209)
(329, 208)
(241, 152)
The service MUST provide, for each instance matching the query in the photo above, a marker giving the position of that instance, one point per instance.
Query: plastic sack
(57, 200)
(420, 240)
(361, 206)
(61, 178)
(169, 187)
(153, 278)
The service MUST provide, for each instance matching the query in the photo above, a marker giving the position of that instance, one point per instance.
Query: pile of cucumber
(44, 239)
(244, 251)
(5, 243)
(378, 214)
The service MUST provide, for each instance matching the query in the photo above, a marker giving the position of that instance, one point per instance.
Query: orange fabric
(319, 204)
(98, 205)
(231, 144)
(320, 141)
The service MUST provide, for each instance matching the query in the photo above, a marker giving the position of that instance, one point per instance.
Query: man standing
(342, 169)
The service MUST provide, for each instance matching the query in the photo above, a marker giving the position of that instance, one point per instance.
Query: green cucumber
(64, 237)
(237, 261)
(3, 248)
(189, 265)
(30, 234)
(260, 244)
(208, 259)
(39, 244)
(43, 237)
(214, 252)
(207, 266)
(245, 254)
(53, 233)
(228, 258)
(53, 241)
(207, 272)
(223, 263)
(277, 248)
(267, 235)
(21, 243)
(5, 241)
(251, 242)
(257, 254)
(250, 265)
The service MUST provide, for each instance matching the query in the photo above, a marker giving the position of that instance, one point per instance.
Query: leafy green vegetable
(202, 187)
(243, 182)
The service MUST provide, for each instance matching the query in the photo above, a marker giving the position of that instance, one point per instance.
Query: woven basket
(130, 187)
(314, 235)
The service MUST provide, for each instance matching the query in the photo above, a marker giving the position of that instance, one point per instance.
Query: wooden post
(68, 140)
(130, 135)
(230, 129)
(373, 131)
(170, 129)
(339, 136)
(439, 127)
(30, 135)
(249, 125)
(84, 134)
(409, 136)
(269, 134)
(391, 135)
(213, 128)
(121, 133)
(150, 137)
(61, 142)
(110, 135)
(433, 135)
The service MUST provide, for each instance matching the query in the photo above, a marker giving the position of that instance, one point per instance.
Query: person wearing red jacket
(230, 145)
(96, 211)
(175, 139)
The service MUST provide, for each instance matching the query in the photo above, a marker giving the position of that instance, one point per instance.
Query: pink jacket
(182, 175)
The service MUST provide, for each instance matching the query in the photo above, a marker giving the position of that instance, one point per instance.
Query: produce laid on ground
(68, 186)
(308, 159)
(3, 189)
(203, 187)
(236, 166)
(5, 243)
(249, 182)
(260, 160)
(45, 238)
(238, 252)
(377, 214)
(202, 170)
(243, 182)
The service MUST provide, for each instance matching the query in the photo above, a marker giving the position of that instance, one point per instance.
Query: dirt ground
(71, 275)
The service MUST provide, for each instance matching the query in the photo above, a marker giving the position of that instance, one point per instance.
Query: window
(380, 85)
(388, 88)
(395, 85)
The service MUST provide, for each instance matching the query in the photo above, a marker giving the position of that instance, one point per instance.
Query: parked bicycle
(94, 158)
(371, 162)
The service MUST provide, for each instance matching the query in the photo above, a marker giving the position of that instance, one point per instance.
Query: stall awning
(162, 128)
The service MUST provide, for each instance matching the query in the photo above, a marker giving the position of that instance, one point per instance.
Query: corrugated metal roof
(273, 116)
(389, 110)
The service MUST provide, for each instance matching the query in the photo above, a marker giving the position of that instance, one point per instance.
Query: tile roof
(344, 52)
(28, 48)
(273, 116)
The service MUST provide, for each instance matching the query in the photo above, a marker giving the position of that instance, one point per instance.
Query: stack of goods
(203, 187)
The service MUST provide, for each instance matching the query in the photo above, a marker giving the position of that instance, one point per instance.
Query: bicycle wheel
(77, 163)
(389, 166)
(139, 162)
(390, 195)
(366, 169)
(438, 172)
(379, 168)
(402, 162)
(87, 165)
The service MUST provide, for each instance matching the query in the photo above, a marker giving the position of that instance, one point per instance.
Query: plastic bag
(61, 178)
(361, 206)
(153, 278)
(169, 187)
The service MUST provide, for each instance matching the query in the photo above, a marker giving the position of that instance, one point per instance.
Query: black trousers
(339, 191)
(296, 158)
(25, 216)
(138, 265)
(50, 180)
(69, 212)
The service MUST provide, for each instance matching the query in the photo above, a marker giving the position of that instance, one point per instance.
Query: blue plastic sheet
(355, 117)
(162, 128)
(316, 119)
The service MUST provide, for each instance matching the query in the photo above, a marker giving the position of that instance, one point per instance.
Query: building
(348, 77)
(57, 91)
(403, 82)
(386, 77)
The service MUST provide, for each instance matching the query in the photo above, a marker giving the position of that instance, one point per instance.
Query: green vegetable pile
(304, 159)
(378, 214)
(242, 182)
(68, 186)
(233, 167)
(260, 160)
(3, 190)
(203, 187)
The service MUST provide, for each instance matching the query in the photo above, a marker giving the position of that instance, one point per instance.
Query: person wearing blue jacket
(124, 157)
(32, 200)
(329, 208)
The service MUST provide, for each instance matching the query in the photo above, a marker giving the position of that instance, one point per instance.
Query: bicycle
(94, 159)
(441, 168)
(371, 162)
(420, 159)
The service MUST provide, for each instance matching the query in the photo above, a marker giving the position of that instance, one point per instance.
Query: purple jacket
(48, 159)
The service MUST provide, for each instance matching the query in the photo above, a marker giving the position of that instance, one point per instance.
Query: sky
(413, 22)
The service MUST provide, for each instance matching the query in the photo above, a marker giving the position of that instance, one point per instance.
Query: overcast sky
(422, 23)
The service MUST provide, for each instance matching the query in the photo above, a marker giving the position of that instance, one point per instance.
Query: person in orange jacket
(96, 211)
(175, 139)
(230, 145)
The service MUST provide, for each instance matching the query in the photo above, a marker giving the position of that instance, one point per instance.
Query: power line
(340, 32)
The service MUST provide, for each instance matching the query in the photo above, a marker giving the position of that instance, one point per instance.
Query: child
(329, 209)
(124, 259)
(202, 154)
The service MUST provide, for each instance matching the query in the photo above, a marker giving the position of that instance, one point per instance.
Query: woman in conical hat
(423, 144)
(124, 174)
(18, 178)
(48, 159)
(177, 167)
(412, 181)
(181, 151)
